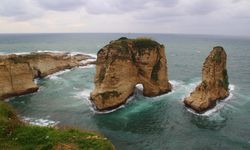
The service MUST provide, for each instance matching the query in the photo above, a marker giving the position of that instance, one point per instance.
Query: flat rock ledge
(19, 71)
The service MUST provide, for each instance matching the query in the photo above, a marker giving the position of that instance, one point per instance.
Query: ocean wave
(82, 95)
(94, 56)
(219, 104)
(87, 66)
(176, 83)
(138, 90)
(40, 121)
(85, 62)
(54, 76)
(69, 53)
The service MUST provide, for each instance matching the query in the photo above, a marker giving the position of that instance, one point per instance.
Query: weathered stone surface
(18, 71)
(123, 64)
(214, 85)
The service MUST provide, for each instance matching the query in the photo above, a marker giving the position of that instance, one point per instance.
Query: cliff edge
(18, 71)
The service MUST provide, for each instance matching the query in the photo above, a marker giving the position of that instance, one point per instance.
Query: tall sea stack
(214, 85)
(124, 63)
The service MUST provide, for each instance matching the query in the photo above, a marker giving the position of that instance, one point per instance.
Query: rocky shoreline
(19, 71)
(120, 66)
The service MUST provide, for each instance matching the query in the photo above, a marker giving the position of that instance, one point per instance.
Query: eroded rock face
(18, 71)
(123, 64)
(214, 85)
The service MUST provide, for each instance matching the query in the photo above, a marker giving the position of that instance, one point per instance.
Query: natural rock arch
(123, 64)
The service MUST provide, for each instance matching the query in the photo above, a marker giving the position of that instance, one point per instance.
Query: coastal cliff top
(35, 55)
(125, 48)
(123, 45)
(15, 134)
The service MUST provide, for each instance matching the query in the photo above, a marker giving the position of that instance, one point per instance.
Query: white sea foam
(139, 87)
(138, 90)
(69, 53)
(85, 62)
(22, 53)
(219, 105)
(92, 55)
(40, 121)
(54, 76)
(83, 94)
(19, 53)
(50, 51)
(176, 83)
(87, 66)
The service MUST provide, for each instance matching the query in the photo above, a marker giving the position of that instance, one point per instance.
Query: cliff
(18, 71)
(124, 63)
(214, 85)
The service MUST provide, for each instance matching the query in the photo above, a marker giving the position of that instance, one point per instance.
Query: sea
(143, 123)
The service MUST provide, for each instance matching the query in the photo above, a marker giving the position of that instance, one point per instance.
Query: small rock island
(124, 63)
(214, 85)
(19, 71)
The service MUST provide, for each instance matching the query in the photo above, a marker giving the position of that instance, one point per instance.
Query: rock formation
(123, 64)
(18, 71)
(214, 85)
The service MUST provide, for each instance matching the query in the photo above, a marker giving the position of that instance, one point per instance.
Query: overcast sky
(223, 17)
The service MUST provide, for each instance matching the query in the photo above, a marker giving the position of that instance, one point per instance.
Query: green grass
(142, 43)
(109, 94)
(217, 56)
(15, 135)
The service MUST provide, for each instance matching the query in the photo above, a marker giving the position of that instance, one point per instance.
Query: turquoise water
(144, 123)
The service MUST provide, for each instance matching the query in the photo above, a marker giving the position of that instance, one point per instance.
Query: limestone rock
(18, 71)
(124, 63)
(214, 85)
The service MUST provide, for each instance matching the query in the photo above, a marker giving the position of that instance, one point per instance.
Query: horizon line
(198, 34)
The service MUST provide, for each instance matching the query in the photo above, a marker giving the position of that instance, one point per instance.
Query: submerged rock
(214, 85)
(123, 64)
(17, 72)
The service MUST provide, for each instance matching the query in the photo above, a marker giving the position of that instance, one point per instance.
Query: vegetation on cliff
(15, 135)
(124, 45)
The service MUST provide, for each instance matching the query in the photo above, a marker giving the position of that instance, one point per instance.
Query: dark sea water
(159, 123)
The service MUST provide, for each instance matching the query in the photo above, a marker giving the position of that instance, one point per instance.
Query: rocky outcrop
(123, 64)
(17, 72)
(214, 85)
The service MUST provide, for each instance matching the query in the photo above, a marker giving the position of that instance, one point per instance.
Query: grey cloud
(124, 6)
(203, 7)
(103, 6)
(18, 10)
(61, 5)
